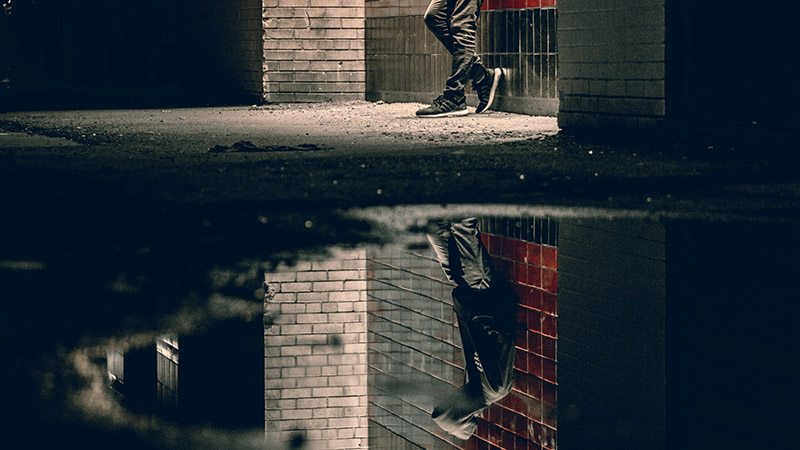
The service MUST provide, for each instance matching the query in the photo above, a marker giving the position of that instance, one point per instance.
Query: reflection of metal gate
(725, 64)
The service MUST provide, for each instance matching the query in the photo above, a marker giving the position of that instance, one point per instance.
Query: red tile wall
(525, 420)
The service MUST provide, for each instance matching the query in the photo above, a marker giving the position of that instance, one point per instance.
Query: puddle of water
(622, 325)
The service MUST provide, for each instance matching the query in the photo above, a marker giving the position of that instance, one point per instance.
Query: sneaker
(443, 107)
(486, 88)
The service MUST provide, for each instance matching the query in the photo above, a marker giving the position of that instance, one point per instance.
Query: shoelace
(478, 364)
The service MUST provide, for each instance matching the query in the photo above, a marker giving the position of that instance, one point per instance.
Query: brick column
(611, 63)
(316, 353)
(313, 50)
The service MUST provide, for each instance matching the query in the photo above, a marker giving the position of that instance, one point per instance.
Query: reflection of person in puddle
(485, 306)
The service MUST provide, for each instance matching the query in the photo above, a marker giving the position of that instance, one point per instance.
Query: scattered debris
(249, 147)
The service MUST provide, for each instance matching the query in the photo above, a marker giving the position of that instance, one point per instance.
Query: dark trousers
(486, 309)
(454, 23)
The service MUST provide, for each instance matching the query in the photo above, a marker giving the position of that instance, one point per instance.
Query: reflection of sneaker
(443, 107)
(486, 88)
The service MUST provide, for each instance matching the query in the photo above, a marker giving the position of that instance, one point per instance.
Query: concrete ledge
(575, 122)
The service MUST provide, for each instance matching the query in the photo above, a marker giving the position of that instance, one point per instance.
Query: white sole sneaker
(456, 113)
(496, 77)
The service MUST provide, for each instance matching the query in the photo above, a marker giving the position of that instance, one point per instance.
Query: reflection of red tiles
(548, 347)
(509, 247)
(549, 370)
(548, 325)
(494, 245)
(521, 291)
(521, 424)
(549, 280)
(520, 443)
(495, 434)
(549, 303)
(535, 342)
(534, 320)
(534, 365)
(549, 393)
(532, 268)
(483, 429)
(493, 414)
(532, 405)
(520, 273)
(521, 361)
(534, 298)
(508, 440)
(534, 254)
(550, 258)
(507, 267)
(507, 402)
(520, 251)
(497, 263)
(535, 276)
(522, 338)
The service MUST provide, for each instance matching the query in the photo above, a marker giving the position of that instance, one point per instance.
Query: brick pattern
(313, 50)
(316, 352)
(414, 341)
(612, 63)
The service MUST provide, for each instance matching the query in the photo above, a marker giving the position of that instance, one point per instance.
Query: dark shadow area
(124, 54)
(727, 67)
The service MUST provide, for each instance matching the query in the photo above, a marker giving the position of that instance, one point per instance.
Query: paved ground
(361, 153)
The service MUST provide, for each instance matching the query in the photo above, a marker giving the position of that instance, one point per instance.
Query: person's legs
(437, 18)
(462, 33)
(462, 255)
(454, 23)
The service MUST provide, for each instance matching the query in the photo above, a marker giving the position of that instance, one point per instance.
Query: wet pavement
(361, 153)
(121, 227)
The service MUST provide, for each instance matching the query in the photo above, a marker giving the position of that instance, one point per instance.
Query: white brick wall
(611, 63)
(313, 50)
(316, 352)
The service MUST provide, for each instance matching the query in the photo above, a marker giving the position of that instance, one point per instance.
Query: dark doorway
(729, 62)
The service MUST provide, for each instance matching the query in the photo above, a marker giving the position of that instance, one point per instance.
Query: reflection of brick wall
(316, 353)
(413, 341)
(414, 346)
(612, 351)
